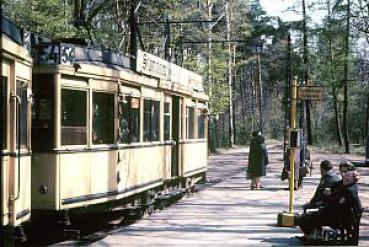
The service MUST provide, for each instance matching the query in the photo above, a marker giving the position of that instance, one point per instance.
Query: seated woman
(349, 202)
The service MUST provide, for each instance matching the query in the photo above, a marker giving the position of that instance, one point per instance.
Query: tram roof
(52, 52)
(11, 30)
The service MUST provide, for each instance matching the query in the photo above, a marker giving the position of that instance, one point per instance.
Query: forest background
(247, 58)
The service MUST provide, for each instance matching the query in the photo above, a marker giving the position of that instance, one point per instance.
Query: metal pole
(133, 35)
(167, 49)
(292, 150)
(286, 96)
(260, 91)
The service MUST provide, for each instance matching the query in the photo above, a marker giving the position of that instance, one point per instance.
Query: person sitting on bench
(309, 222)
(341, 206)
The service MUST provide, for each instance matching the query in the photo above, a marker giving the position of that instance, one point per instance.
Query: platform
(225, 212)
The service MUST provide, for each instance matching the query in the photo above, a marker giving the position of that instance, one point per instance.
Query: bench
(338, 234)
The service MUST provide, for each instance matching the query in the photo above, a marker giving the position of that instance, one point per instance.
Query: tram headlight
(43, 189)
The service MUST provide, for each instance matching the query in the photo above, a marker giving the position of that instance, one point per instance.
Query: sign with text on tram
(154, 66)
(313, 93)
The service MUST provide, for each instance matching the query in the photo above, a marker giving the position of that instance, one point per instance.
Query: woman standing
(258, 160)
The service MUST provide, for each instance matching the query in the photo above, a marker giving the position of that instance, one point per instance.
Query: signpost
(312, 93)
(288, 218)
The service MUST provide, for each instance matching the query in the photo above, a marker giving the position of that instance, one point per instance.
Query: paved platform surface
(225, 212)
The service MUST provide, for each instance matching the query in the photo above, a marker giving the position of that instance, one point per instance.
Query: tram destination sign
(313, 93)
(152, 65)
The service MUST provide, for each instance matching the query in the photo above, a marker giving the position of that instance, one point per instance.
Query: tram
(105, 129)
(15, 124)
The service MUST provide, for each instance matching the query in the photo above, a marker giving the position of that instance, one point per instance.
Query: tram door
(3, 103)
(176, 110)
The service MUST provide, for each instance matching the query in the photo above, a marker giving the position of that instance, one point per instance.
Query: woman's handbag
(285, 174)
(304, 170)
(248, 174)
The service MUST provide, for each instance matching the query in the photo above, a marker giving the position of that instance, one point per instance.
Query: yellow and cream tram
(15, 122)
(104, 132)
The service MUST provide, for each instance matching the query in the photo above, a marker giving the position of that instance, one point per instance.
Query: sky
(279, 7)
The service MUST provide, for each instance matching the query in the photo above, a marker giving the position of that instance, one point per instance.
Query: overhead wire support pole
(133, 34)
(259, 47)
(292, 149)
(167, 49)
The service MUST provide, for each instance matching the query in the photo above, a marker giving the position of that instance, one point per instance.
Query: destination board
(310, 93)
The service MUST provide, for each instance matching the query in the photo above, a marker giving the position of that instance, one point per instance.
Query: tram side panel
(93, 171)
(194, 147)
(16, 161)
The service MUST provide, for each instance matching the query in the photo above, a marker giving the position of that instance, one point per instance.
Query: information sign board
(310, 93)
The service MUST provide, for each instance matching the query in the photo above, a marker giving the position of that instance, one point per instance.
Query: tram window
(155, 120)
(201, 124)
(74, 114)
(190, 120)
(3, 101)
(147, 119)
(43, 112)
(151, 120)
(103, 118)
(166, 121)
(130, 120)
(22, 114)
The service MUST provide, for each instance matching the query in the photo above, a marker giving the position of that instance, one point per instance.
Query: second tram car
(107, 133)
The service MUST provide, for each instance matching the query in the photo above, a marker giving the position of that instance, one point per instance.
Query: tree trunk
(345, 86)
(307, 113)
(242, 95)
(76, 14)
(231, 124)
(336, 115)
(367, 116)
(234, 96)
(211, 139)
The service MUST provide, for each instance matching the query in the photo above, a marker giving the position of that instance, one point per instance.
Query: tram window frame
(190, 122)
(79, 127)
(4, 105)
(103, 130)
(167, 118)
(151, 120)
(201, 118)
(130, 113)
(43, 122)
(21, 91)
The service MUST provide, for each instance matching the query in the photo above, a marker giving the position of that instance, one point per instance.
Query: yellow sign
(310, 93)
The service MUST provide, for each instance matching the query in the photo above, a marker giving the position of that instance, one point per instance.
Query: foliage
(106, 23)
